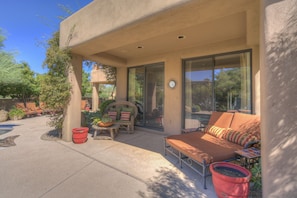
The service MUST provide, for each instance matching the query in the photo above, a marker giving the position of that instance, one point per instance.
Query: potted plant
(105, 121)
(16, 114)
(230, 180)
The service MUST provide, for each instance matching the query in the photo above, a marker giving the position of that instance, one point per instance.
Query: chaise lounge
(224, 134)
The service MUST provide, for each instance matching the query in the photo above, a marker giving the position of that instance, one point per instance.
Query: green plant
(104, 105)
(96, 120)
(257, 176)
(16, 113)
(55, 86)
(90, 116)
(105, 118)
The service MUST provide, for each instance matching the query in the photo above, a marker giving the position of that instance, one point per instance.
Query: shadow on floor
(168, 184)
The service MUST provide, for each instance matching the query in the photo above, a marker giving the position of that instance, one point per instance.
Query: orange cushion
(203, 147)
(220, 119)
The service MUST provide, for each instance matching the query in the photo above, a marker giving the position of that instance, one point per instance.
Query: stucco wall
(279, 107)
(173, 70)
(104, 16)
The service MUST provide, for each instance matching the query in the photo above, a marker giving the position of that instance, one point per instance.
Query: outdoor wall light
(181, 37)
(172, 84)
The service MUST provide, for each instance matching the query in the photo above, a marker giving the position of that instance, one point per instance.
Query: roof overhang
(113, 33)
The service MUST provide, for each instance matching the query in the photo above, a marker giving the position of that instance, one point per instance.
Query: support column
(73, 112)
(95, 96)
(279, 97)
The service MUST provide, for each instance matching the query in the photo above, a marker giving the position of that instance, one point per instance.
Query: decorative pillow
(215, 131)
(113, 115)
(118, 110)
(239, 138)
(128, 109)
(125, 116)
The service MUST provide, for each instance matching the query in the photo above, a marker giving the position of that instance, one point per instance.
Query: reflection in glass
(216, 83)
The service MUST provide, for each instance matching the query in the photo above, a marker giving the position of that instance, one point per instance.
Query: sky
(28, 24)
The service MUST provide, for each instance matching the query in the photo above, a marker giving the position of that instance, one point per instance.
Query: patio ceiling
(201, 23)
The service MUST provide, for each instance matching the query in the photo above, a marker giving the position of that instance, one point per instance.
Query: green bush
(16, 113)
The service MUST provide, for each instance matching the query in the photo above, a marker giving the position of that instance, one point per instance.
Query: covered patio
(131, 166)
(128, 34)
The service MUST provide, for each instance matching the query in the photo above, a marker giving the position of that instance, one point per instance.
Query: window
(216, 83)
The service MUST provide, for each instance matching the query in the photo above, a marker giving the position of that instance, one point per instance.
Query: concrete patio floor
(133, 165)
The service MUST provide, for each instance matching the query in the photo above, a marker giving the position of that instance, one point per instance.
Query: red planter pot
(80, 135)
(230, 186)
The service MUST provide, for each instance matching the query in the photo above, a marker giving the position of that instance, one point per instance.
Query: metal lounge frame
(184, 159)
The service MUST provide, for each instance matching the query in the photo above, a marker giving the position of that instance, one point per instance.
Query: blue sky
(28, 24)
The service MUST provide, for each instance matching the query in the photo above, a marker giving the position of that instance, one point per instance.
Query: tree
(55, 87)
(27, 88)
(86, 84)
(10, 71)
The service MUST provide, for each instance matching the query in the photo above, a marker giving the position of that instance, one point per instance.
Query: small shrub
(257, 176)
(16, 113)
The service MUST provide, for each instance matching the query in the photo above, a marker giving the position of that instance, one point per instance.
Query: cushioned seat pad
(201, 146)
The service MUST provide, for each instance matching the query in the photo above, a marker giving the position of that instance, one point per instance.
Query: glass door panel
(154, 96)
(146, 90)
(216, 83)
(232, 82)
(136, 91)
(198, 92)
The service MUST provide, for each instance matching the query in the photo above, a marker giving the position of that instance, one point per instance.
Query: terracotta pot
(80, 135)
(104, 124)
(230, 185)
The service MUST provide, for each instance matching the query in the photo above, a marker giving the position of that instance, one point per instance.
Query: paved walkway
(131, 166)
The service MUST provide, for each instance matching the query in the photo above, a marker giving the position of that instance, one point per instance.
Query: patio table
(248, 156)
(100, 131)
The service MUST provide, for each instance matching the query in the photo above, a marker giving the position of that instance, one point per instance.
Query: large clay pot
(230, 180)
(80, 135)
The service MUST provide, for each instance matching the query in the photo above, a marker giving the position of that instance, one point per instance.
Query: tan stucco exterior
(110, 31)
(209, 27)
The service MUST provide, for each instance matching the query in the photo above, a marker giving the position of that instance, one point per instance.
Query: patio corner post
(278, 97)
(95, 96)
(73, 111)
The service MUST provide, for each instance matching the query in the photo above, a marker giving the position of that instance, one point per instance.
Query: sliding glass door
(216, 83)
(146, 90)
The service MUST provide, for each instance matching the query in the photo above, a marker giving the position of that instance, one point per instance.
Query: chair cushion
(116, 109)
(125, 116)
(128, 109)
(113, 115)
(203, 147)
(220, 119)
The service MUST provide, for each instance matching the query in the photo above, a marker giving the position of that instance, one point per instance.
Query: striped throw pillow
(239, 138)
(112, 115)
(125, 116)
(216, 131)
